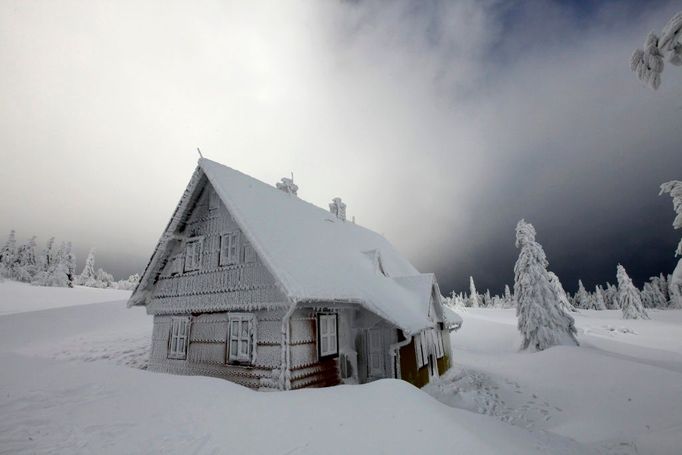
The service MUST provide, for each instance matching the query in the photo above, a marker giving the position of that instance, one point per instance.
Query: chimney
(287, 185)
(338, 208)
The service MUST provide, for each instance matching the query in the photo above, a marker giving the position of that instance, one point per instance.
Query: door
(375, 355)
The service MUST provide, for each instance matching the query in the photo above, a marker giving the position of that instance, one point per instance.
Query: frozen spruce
(598, 302)
(473, 295)
(560, 292)
(628, 297)
(87, 276)
(582, 297)
(541, 320)
(674, 188)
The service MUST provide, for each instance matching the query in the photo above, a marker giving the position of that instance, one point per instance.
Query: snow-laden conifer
(87, 276)
(628, 296)
(582, 297)
(647, 63)
(26, 267)
(610, 299)
(508, 298)
(598, 302)
(674, 188)
(473, 295)
(8, 255)
(541, 320)
(560, 292)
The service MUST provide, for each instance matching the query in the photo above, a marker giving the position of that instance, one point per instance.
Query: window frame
(175, 334)
(231, 248)
(197, 241)
(329, 353)
(239, 357)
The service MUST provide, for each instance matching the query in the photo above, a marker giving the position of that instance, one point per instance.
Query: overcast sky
(441, 124)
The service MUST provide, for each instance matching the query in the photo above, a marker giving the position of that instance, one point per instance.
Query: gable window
(249, 254)
(241, 338)
(327, 339)
(229, 248)
(179, 334)
(193, 254)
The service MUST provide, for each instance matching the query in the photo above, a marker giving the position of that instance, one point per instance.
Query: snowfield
(73, 381)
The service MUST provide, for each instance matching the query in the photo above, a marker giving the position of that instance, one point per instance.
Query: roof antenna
(200, 155)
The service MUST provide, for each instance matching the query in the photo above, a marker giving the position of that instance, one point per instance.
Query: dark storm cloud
(441, 124)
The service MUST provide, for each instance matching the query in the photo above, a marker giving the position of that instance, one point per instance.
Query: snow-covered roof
(453, 321)
(317, 257)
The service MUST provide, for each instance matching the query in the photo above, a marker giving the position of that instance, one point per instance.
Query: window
(241, 338)
(177, 342)
(327, 340)
(249, 255)
(193, 254)
(229, 248)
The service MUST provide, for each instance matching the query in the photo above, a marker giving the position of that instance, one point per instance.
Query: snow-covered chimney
(287, 185)
(338, 208)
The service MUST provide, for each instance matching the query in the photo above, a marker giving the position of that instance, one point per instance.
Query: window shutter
(418, 349)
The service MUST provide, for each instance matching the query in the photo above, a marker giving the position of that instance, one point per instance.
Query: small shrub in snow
(541, 320)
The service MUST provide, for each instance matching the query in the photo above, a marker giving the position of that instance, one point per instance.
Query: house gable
(242, 283)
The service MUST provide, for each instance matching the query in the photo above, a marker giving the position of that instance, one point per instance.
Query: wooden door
(375, 355)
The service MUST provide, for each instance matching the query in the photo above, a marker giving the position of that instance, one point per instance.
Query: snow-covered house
(252, 284)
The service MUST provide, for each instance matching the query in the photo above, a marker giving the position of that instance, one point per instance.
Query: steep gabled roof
(315, 256)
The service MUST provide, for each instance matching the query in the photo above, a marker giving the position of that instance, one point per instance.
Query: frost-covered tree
(628, 296)
(26, 267)
(674, 188)
(474, 301)
(541, 320)
(8, 256)
(598, 302)
(508, 298)
(610, 297)
(647, 63)
(487, 299)
(104, 279)
(582, 297)
(652, 297)
(87, 276)
(70, 263)
(560, 292)
(55, 266)
(46, 259)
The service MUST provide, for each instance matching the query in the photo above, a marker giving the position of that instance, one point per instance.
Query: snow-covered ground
(620, 391)
(19, 297)
(73, 381)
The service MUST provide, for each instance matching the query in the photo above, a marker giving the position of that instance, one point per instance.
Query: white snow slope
(68, 384)
(619, 392)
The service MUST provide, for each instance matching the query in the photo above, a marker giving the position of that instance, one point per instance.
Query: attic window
(248, 254)
(229, 248)
(193, 254)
